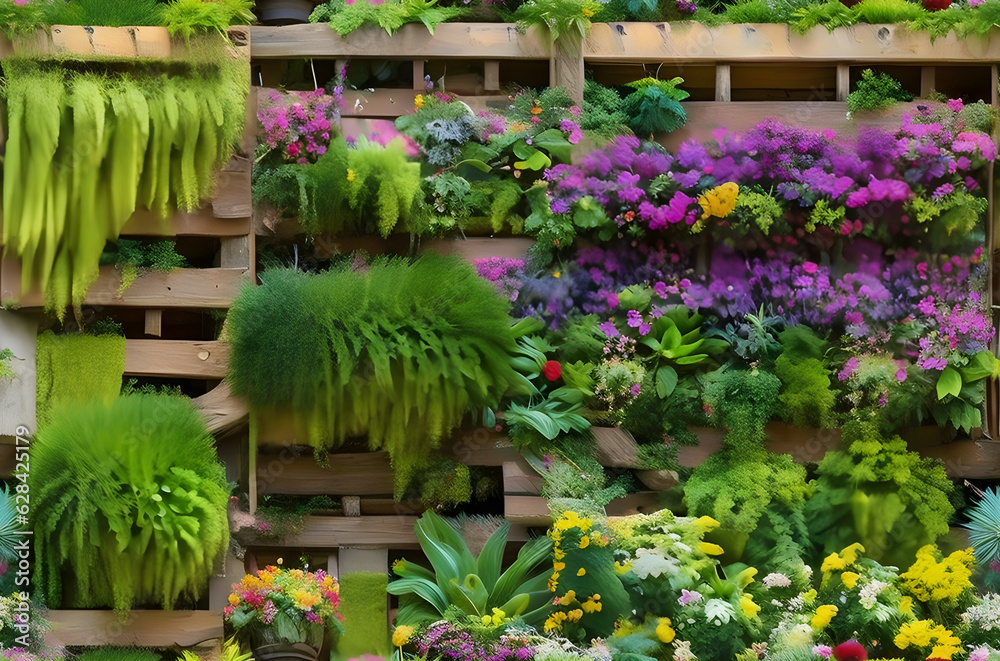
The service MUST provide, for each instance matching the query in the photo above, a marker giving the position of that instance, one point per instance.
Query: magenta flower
(850, 367)
(609, 330)
(822, 650)
(689, 597)
(901, 374)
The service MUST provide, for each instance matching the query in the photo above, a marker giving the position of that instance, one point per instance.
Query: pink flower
(635, 389)
(956, 105)
(689, 597)
(21, 3)
(901, 375)
(823, 650)
(850, 367)
(979, 654)
(810, 267)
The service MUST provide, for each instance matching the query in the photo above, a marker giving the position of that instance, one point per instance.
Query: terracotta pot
(286, 652)
(284, 12)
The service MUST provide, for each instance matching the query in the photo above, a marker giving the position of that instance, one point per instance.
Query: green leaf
(476, 163)
(671, 338)
(949, 383)
(666, 381)
(490, 559)
(981, 365)
(554, 142)
(536, 161)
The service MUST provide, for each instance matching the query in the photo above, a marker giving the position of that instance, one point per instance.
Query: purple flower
(932, 363)
(635, 389)
(901, 374)
(850, 367)
(644, 328)
(609, 330)
(634, 319)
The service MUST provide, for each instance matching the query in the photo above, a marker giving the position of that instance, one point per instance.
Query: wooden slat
(296, 472)
(723, 83)
(450, 40)
(533, 511)
(232, 196)
(8, 454)
(200, 222)
(176, 358)
(143, 628)
(334, 531)
(692, 42)
(180, 288)
(520, 478)
(222, 409)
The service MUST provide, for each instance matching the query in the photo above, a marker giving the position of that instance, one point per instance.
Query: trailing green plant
(136, 513)
(984, 526)
(399, 351)
(566, 22)
(654, 106)
(877, 91)
(75, 368)
(806, 394)
(476, 585)
(345, 18)
(363, 189)
(190, 17)
(133, 257)
(18, 18)
(86, 148)
(363, 604)
(755, 494)
(121, 13)
(120, 654)
(878, 493)
(437, 482)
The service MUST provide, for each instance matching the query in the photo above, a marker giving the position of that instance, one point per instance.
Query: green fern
(875, 91)
(831, 14)
(390, 16)
(879, 12)
(190, 17)
(567, 22)
(136, 513)
(120, 13)
(75, 368)
(654, 106)
(398, 353)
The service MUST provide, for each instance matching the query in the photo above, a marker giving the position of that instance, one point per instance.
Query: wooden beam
(200, 222)
(520, 478)
(927, 81)
(533, 511)
(176, 358)
(843, 81)
(336, 531)
(222, 409)
(232, 191)
(296, 472)
(450, 40)
(723, 83)
(143, 628)
(154, 322)
(491, 75)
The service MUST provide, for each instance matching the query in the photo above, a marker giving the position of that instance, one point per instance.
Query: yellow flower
(568, 599)
(587, 12)
(296, 573)
(823, 616)
(559, 566)
(592, 605)
(234, 599)
(305, 599)
(906, 605)
(418, 101)
(555, 621)
(719, 201)
(622, 567)
(398, 565)
(581, 572)
(710, 549)
(496, 619)
(350, 175)
(808, 597)
(553, 582)
(833, 562)
(850, 579)
(401, 635)
(536, 110)
(850, 554)
(574, 615)
(706, 522)
(559, 554)
(933, 581)
(556, 274)
(750, 609)
(664, 631)
(281, 561)
(584, 542)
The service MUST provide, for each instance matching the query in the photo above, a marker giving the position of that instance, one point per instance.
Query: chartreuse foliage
(190, 17)
(755, 494)
(476, 586)
(231, 651)
(878, 493)
(399, 352)
(75, 368)
(85, 149)
(805, 394)
(135, 512)
(364, 606)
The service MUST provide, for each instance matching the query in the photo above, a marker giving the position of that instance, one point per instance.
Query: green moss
(119, 654)
(806, 394)
(364, 605)
(77, 368)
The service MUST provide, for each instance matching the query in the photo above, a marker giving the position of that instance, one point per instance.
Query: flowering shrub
(299, 124)
(284, 605)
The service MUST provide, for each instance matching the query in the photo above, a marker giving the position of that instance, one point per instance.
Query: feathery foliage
(806, 393)
(603, 115)
(984, 527)
(190, 17)
(120, 13)
(887, 11)
(390, 16)
(84, 149)
(76, 368)
(400, 352)
(830, 14)
(136, 513)
(18, 20)
(876, 91)
(566, 22)
(654, 106)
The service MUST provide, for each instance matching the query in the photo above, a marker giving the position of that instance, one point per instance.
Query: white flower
(652, 562)
(776, 580)
(870, 592)
(682, 651)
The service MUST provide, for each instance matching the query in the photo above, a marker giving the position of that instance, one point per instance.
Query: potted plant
(284, 614)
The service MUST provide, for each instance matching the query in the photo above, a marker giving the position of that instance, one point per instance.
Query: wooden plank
(232, 193)
(336, 531)
(927, 78)
(8, 455)
(19, 333)
(297, 473)
(692, 42)
(491, 75)
(176, 358)
(520, 478)
(222, 409)
(723, 83)
(843, 81)
(235, 252)
(971, 459)
(475, 247)
(388, 506)
(143, 628)
(533, 511)
(200, 222)
(450, 40)
(615, 447)
(154, 322)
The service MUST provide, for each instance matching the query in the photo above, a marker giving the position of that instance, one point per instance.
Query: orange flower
(536, 110)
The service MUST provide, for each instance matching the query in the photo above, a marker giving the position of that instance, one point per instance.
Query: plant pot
(284, 12)
(286, 652)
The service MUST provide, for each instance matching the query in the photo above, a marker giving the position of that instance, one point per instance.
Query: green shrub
(364, 605)
(189, 17)
(119, 654)
(400, 352)
(135, 504)
(876, 91)
(806, 393)
(654, 106)
(72, 369)
(120, 13)
(891, 12)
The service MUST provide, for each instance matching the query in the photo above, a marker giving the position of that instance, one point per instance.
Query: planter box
(143, 628)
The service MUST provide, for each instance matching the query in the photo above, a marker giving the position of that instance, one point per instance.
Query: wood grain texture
(450, 40)
(143, 628)
(223, 410)
(520, 478)
(335, 531)
(176, 358)
(200, 222)
(296, 472)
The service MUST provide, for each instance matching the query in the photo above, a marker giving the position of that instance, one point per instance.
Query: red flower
(552, 370)
(936, 5)
(852, 650)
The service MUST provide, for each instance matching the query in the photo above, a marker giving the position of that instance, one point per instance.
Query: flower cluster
(299, 124)
(504, 272)
(932, 580)
(446, 640)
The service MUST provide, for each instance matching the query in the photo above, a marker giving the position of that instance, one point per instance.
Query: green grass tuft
(363, 603)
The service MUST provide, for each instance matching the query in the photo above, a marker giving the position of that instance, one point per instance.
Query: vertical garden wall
(639, 308)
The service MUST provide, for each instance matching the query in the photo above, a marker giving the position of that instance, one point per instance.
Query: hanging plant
(84, 149)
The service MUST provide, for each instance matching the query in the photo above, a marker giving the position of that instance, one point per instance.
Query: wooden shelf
(450, 40)
(334, 531)
(179, 359)
(143, 628)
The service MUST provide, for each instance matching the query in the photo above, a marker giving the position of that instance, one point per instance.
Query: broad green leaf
(693, 359)
(554, 141)
(426, 590)
(476, 163)
(671, 338)
(530, 556)
(980, 366)
(537, 161)
(490, 559)
(666, 381)
(949, 383)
